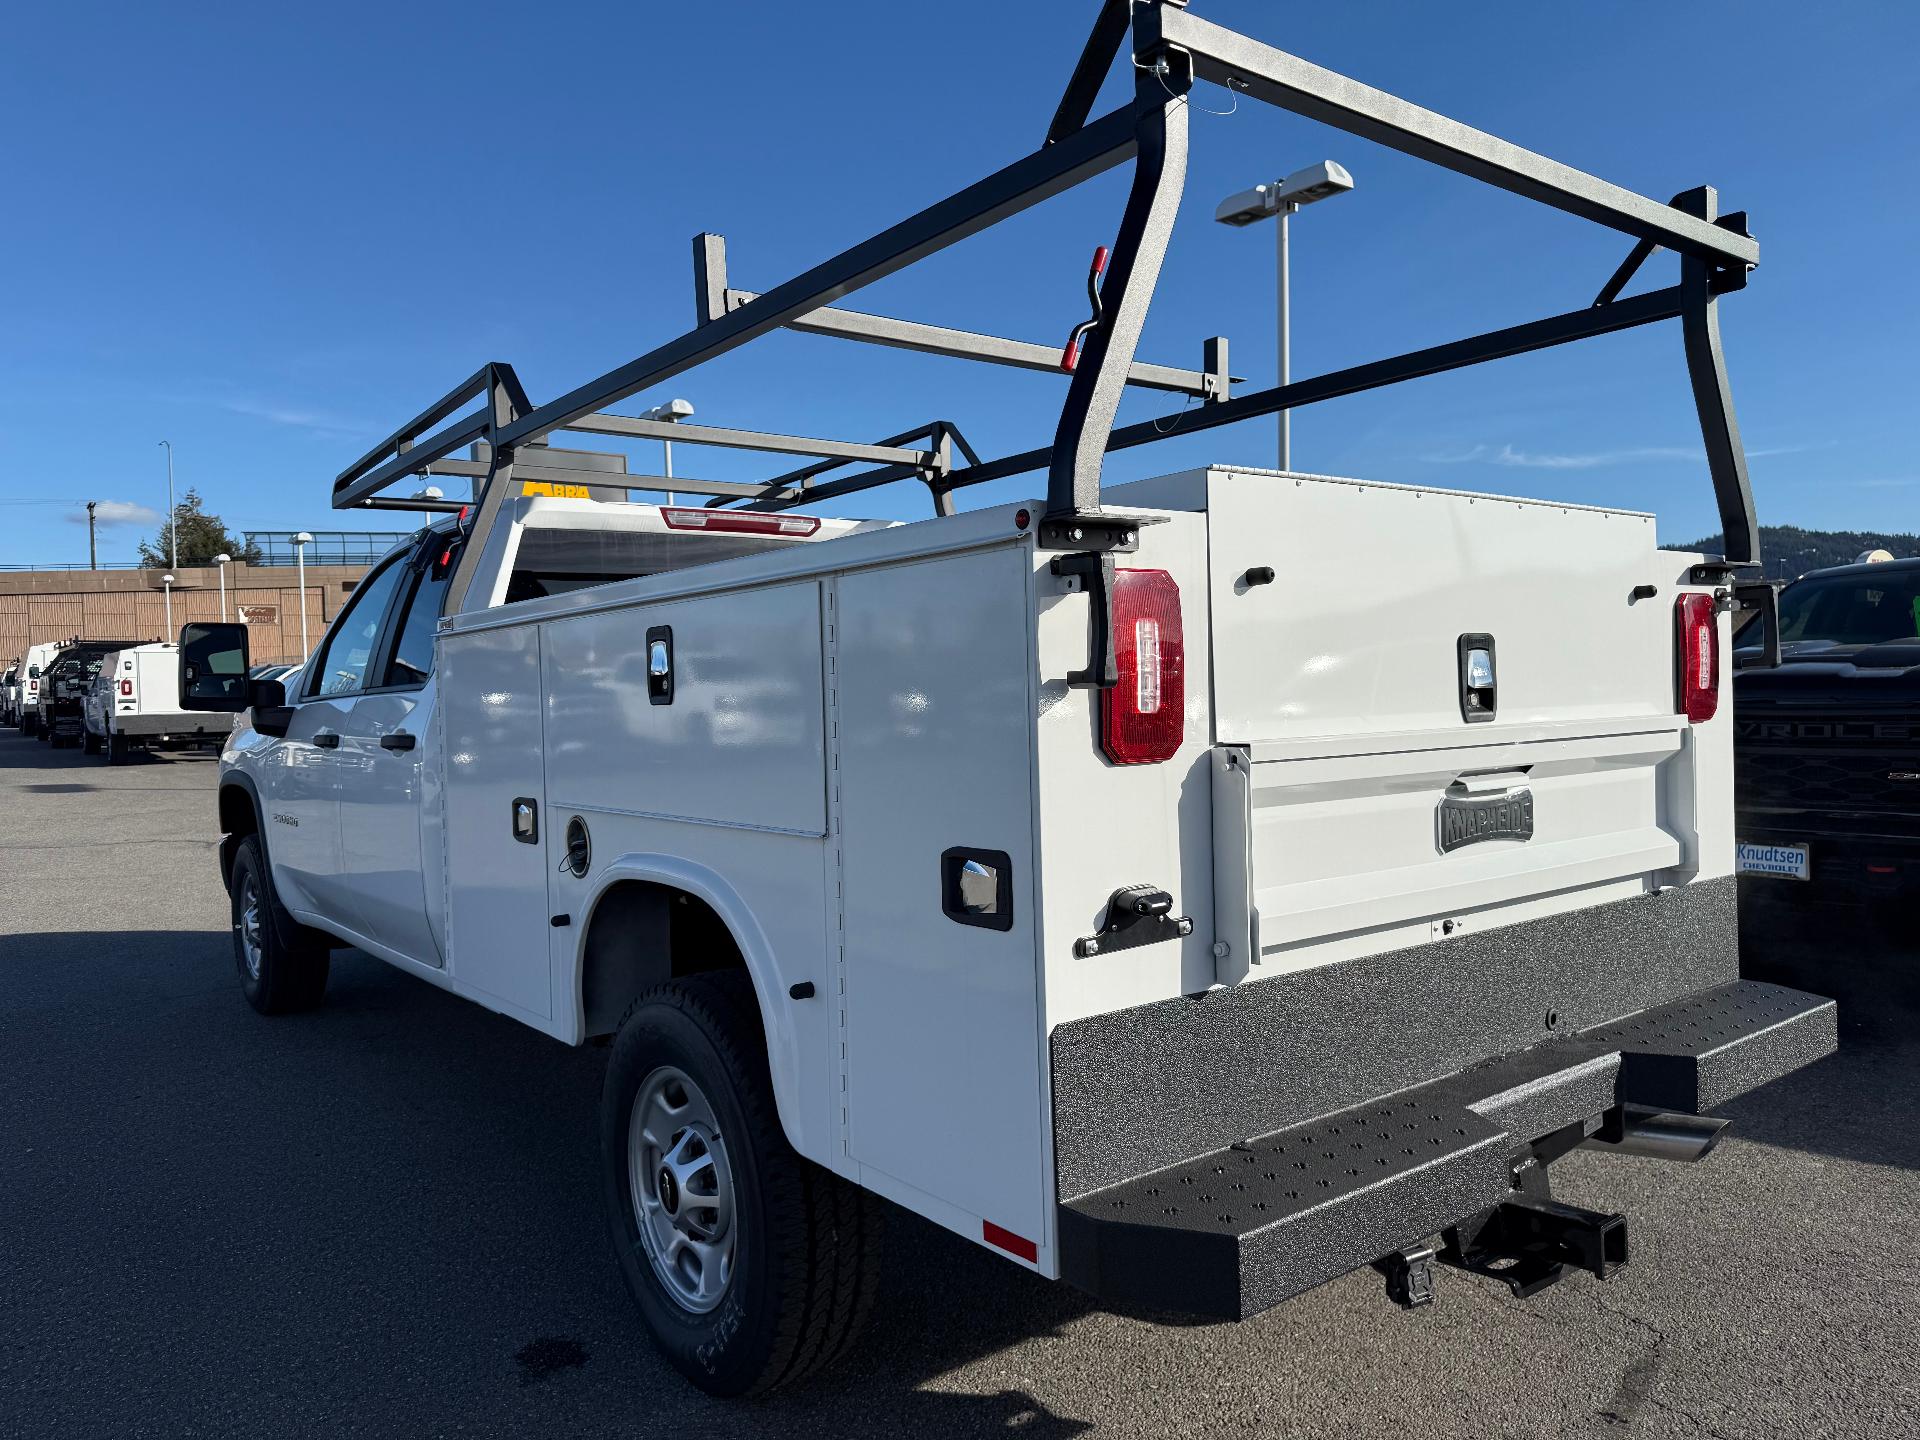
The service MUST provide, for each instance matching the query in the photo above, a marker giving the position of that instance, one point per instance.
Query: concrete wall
(38, 605)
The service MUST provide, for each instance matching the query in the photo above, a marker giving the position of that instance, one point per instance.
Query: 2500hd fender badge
(1469, 819)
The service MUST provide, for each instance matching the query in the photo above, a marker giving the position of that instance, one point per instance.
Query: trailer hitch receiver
(1529, 1242)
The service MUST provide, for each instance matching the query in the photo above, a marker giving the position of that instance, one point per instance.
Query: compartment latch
(1136, 915)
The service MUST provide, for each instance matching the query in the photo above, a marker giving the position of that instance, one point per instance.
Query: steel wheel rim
(681, 1183)
(248, 927)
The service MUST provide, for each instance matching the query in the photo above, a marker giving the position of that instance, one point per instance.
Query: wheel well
(236, 811)
(642, 933)
(238, 819)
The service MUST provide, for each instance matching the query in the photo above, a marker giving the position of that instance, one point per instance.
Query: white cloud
(116, 512)
(1576, 460)
(1594, 459)
(295, 417)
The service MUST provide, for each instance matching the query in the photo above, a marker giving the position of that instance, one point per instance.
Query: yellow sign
(557, 492)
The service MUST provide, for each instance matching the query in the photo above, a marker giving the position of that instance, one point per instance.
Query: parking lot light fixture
(1279, 200)
(671, 411)
(222, 561)
(300, 543)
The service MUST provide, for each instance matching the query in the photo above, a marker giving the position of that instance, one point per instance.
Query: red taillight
(1143, 718)
(126, 687)
(1698, 647)
(732, 522)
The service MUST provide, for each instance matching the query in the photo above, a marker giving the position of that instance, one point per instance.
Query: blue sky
(269, 234)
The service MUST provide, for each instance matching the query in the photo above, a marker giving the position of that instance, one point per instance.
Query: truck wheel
(752, 1266)
(283, 965)
(89, 743)
(116, 749)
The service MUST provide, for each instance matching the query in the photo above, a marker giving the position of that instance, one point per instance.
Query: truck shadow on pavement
(386, 1212)
(1857, 1105)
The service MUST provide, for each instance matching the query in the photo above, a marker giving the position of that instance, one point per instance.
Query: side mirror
(271, 713)
(213, 667)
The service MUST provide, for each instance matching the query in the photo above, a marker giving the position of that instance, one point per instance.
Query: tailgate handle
(1488, 782)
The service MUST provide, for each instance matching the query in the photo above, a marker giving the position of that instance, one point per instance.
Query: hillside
(1788, 550)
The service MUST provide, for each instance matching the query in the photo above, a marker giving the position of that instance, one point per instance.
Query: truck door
(302, 794)
(383, 759)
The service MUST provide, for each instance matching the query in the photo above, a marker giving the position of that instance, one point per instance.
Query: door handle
(326, 739)
(398, 740)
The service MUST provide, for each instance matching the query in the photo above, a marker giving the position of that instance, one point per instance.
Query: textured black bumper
(1242, 1223)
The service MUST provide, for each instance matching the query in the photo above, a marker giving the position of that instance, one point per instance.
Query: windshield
(1868, 609)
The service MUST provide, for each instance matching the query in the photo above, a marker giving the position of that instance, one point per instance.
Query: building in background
(39, 605)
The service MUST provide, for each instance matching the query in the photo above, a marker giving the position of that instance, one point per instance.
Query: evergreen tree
(202, 536)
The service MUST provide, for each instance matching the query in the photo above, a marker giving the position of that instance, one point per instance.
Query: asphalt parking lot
(382, 1219)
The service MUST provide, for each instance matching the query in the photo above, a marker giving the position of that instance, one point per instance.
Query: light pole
(93, 554)
(167, 580)
(173, 529)
(300, 543)
(671, 411)
(1280, 200)
(221, 562)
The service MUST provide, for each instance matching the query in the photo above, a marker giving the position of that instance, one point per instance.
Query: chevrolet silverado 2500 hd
(1124, 879)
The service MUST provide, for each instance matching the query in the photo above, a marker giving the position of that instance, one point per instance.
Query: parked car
(134, 704)
(64, 686)
(9, 693)
(1827, 745)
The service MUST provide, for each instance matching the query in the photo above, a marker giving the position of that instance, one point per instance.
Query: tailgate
(1352, 793)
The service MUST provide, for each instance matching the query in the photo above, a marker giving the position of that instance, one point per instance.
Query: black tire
(805, 1243)
(89, 743)
(117, 749)
(292, 964)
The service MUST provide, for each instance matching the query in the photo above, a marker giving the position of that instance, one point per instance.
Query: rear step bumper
(1236, 1231)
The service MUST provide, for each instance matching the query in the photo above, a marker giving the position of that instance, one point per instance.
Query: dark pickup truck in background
(1827, 745)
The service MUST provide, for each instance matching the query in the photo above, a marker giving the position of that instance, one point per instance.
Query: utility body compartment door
(1358, 632)
(944, 1090)
(497, 924)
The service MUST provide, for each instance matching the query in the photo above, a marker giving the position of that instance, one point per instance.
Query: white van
(134, 704)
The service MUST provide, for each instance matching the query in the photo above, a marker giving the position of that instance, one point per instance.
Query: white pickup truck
(1194, 891)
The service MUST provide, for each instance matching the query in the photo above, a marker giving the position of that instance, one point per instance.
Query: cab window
(341, 667)
(412, 660)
